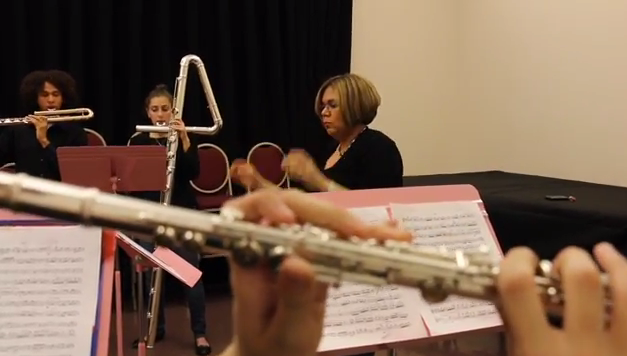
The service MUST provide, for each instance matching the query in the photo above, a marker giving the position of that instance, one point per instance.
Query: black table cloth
(521, 215)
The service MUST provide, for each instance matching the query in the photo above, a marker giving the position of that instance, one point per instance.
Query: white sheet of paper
(457, 226)
(362, 315)
(49, 281)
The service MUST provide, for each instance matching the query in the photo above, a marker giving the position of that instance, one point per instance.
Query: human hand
(244, 173)
(179, 126)
(299, 165)
(281, 314)
(41, 127)
(584, 331)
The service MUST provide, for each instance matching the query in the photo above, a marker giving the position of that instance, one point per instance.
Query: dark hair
(33, 84)
(159, 90)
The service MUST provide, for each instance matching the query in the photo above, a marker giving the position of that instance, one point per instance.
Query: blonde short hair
(358, 98)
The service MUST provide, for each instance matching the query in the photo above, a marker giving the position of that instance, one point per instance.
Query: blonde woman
(360, 158)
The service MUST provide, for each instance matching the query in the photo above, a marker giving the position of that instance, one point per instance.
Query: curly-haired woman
(33, 147)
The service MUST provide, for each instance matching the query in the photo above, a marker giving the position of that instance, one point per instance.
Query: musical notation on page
(49, 279)
(456, 226)
(361, 315)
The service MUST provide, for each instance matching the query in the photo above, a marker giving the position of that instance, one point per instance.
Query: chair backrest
(8, 168)
(214, 170)
(128, 143)
(267, 157)
(94, 138)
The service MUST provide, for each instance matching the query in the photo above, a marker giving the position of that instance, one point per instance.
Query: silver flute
(438, 273)
(52, 115)
(172, 147)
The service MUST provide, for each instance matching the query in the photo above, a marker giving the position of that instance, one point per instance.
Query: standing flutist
(32, 147)
(159, 109)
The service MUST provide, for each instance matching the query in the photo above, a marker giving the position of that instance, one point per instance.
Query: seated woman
(159, 110)
(361, 158)
(32, 147)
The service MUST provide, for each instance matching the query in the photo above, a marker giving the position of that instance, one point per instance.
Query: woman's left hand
(299, 165)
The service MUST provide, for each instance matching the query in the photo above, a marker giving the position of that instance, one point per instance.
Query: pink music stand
(145, 260)
(126, 169)
(135, 169)
(405, 195)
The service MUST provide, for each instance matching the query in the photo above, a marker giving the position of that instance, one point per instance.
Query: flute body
(438, 273)
(53, 116)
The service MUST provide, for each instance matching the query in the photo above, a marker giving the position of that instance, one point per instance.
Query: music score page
(362, 315)
(456, 226)
(49, 281)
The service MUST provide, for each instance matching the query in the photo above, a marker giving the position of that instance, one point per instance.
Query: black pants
(195, 295)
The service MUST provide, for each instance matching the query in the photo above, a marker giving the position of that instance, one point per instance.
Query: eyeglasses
(331, 104)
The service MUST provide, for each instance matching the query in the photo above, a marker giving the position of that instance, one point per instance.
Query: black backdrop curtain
(265, 60)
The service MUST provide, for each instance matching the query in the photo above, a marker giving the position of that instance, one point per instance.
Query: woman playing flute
(158, 107)
(32, 147)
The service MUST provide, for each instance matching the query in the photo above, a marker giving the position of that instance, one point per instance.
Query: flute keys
(165, 236)
(193, 240)
(247, 252)
(276, 255)
(545, 268)
(231, 214)
(433, 291)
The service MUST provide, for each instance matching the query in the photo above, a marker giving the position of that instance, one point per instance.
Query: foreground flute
(437, 273)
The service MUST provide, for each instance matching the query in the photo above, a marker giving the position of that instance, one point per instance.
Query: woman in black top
(361, 158)
(32, 147)
(159, 110)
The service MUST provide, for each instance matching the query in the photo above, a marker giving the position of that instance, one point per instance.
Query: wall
(410, 49)
(530, 86)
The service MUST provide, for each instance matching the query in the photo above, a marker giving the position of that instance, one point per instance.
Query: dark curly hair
(33, 84)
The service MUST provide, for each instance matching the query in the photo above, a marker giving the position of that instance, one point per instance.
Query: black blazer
(19, 144)
(187, 168)
(372, 161)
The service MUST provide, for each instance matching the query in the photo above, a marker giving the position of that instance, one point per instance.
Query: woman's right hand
(245, 173)
(585, 331)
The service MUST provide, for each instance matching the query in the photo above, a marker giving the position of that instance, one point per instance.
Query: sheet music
(455, 225)
(49, 281)
(363, 315)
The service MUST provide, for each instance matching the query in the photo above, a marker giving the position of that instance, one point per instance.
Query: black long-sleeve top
(372, 161)
(187, 169)
(18, 144)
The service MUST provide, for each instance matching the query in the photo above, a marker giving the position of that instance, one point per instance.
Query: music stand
(119, 169)
(135, 169)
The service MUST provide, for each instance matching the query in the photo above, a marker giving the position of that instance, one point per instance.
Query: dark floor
(179, 339)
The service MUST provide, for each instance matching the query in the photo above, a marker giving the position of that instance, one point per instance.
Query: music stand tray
(136, 168)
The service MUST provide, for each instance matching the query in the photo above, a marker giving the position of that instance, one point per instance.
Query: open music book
(362, 315)
(49, 288)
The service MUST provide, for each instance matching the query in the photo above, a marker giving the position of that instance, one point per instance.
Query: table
(521, 215)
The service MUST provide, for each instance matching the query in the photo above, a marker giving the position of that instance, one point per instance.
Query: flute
(52, 115)
(438, 273)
